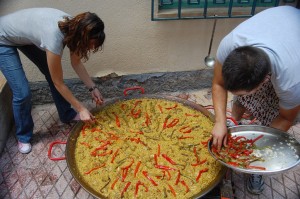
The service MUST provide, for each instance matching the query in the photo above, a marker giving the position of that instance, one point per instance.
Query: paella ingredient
(146, 148)
(145, 173)
(240, 152)
(172, 190)
(168, 159)
(125, 189)
(93, 169)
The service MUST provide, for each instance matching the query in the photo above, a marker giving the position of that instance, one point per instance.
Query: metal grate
(203, 9)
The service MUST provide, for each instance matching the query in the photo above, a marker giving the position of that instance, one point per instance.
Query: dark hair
(245, 68)
(79, 30)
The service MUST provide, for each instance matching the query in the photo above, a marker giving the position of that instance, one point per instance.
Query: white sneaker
(24, 147)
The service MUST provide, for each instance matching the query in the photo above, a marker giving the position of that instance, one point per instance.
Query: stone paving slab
(36, 176)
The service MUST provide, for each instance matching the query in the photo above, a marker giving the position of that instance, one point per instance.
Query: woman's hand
(85, 115)
(97, 97)
(219, 134)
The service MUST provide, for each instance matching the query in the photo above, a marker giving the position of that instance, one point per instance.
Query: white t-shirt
(277, 32)
(37, 26)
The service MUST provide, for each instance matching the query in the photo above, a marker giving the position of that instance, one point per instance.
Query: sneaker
(255, 184)
(24, 147)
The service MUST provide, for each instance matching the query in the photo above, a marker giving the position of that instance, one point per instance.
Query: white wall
(134, 44)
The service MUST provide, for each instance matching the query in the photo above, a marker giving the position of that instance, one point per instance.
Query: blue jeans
(11, 67)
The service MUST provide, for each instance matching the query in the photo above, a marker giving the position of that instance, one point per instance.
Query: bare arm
(84, 76)
(285, 118)
(55, 68)
(219, 95)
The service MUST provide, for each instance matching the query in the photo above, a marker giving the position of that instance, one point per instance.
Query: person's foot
(24, 147)
(255, 184)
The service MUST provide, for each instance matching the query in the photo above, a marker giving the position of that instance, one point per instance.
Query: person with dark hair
(41, 34)
(259, 62)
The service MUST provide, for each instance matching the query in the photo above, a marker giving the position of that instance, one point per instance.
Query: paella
(146, 148)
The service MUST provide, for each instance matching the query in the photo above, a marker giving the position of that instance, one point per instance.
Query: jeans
(11, 67)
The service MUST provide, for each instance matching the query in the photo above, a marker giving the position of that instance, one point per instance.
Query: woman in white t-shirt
(41, 34)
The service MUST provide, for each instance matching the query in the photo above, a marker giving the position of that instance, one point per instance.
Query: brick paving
(36, 176)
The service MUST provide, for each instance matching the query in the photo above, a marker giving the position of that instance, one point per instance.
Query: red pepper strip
(101, 147)
(125, 170)
(183, 129)
(125, 189)
(158, 150)
(168, 159)
(83, 129)
(137, 102)
(160, 108)
(124, 174)
(145, 173)
(114, 183)
(164, 167)
(200, 173)
(247, 152)
(235, 164)
(187, 114)
(257, 138)
(123, 106)
(199, 163)
(173, 123)
(169, 175)
(169, 108)
(159, 177)
(204, 143)
(113, 136)
(239, 137)
(136, 114)
(117, 120)
(172, 190)
(85, 144)
(155, 160)
(178, 178)
(98, 139)
(139, 132)
(187, 189)
(96, 130)
(184, 137)
(95, 168)
(137, 140)
(128, 166)
(137, 187)
(187, 131)
(196, 155)
(137, 168)
(165, 123)
(148, 120)
(114, 155)
(102, 154)
(256, 167)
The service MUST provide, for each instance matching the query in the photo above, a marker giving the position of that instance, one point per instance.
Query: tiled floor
(36, 176)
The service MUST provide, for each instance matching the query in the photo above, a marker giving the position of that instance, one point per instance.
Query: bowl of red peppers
(258, 149)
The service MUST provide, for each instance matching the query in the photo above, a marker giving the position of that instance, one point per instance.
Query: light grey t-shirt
(277, 32)
(38, 26)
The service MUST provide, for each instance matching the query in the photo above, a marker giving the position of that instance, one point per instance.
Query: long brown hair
(78, 32)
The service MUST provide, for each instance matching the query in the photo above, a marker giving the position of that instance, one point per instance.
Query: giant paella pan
(145, 146)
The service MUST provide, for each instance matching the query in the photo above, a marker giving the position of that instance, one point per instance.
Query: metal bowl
(280, 150)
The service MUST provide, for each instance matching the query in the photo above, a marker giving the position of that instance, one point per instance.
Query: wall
(134, 43)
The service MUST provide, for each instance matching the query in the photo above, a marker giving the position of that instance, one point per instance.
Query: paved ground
(36, 176)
